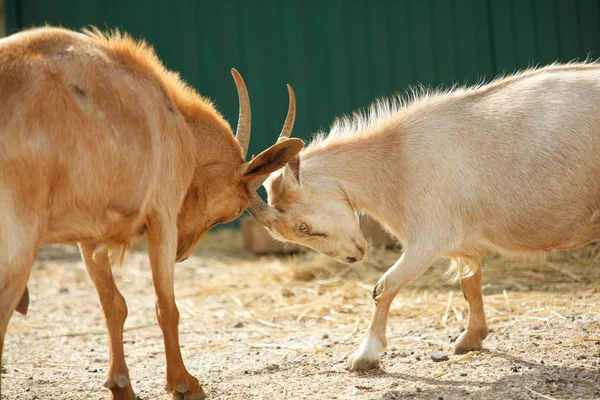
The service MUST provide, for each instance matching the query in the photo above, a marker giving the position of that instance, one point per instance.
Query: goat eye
(303, 228)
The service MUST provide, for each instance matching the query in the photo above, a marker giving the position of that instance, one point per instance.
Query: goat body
(509, 167)
(99, 145)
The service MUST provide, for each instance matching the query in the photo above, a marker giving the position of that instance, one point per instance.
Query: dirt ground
(282, 327)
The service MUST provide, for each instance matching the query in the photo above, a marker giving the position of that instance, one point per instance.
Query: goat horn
(260, 210)
(288, 125)
(242, 133)
(286, 131)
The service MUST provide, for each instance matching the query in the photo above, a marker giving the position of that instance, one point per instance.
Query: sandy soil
(281, 328)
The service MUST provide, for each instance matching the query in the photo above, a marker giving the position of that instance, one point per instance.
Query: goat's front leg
(115, 312)
(162, 248)
(408, 268)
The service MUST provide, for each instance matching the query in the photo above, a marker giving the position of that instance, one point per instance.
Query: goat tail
(115, 252)
(461, 268)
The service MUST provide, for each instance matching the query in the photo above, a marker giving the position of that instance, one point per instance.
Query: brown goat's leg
(477, 330)
(162, 247)
(114, 309)
(10, 294)
(16, 261)
(409, 267)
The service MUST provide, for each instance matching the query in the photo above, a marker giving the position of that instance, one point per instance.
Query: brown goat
(99, 145)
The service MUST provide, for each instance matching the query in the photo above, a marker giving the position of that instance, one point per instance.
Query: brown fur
(100, 145)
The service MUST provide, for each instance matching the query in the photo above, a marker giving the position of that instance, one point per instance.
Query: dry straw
(267, 298)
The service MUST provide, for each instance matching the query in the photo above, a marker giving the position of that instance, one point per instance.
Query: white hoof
(366, 357)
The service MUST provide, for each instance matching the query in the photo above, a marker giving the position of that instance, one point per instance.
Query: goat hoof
(188, 389)
(184, 396)
(124, 393)
(360, 362)
(119, 387)
(467, 342)
(175, 395)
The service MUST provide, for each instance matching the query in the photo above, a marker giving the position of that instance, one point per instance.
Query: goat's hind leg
(115, 312)
(477, 330)
(18, 250)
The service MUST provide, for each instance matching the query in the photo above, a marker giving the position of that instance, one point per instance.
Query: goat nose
(351, 260)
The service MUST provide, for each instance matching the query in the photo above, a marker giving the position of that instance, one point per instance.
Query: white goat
(510, 167)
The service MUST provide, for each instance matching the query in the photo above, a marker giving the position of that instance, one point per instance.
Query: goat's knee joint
(377, 291)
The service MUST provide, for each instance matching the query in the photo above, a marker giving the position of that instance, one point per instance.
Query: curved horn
(260, 210)
(286, 131)
(242, 132)
(288, 125)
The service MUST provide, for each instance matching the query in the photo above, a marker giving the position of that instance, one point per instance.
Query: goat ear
(271, 159)
(292, 172)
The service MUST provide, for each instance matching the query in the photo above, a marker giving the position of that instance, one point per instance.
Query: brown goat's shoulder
(136, 56)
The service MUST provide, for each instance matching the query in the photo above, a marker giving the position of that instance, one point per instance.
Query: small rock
(461, 329)
(404, 354)
(419, 390)
(272, 367)
(63, 290)
(463, 374)
(418, 358)
(437, 357)
(239, 325)
(325, 336)
(581, 357)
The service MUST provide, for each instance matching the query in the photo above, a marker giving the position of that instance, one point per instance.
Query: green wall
(337, 55)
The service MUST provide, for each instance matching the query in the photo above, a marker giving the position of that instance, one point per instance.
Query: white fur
(367, 355)
(511, 167)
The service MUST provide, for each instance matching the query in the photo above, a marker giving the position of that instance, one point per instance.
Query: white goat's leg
(409, 267)
(477, 330)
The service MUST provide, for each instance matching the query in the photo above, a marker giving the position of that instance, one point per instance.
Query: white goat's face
(320, 219)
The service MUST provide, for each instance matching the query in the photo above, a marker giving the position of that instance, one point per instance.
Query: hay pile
(257, 327)
(310, 287)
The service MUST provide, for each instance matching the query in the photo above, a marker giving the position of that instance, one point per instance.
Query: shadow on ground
(527, 381)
